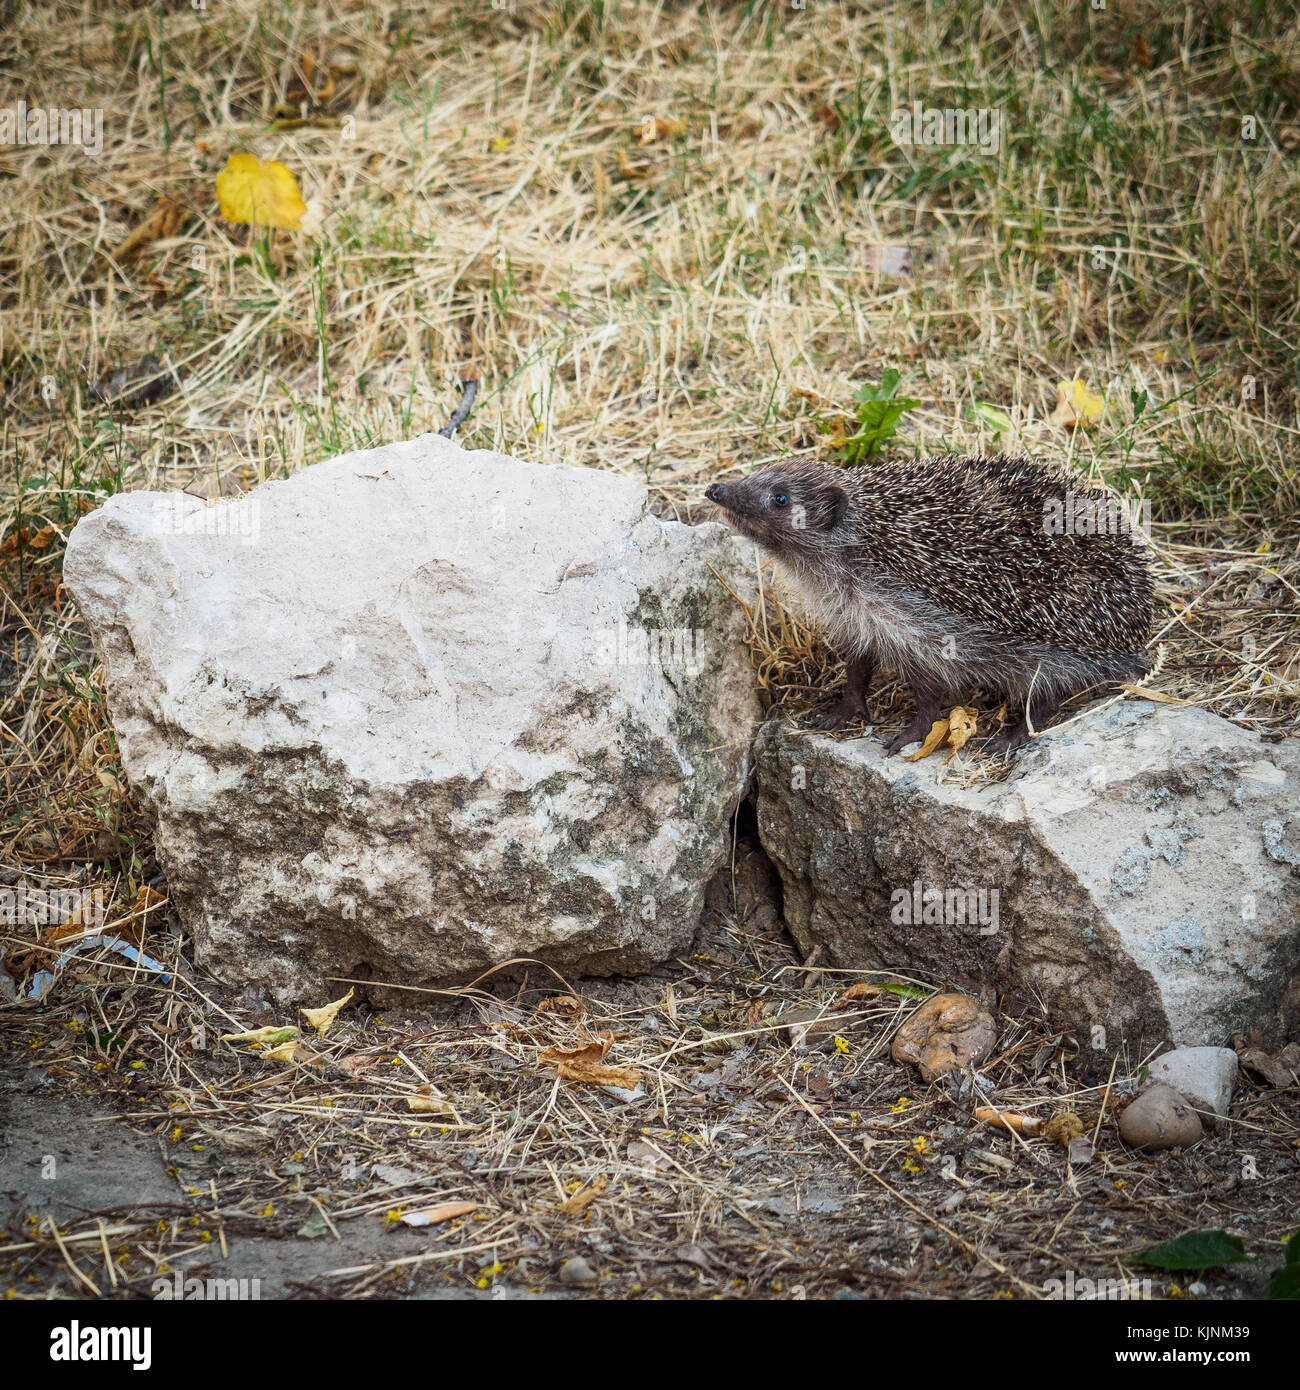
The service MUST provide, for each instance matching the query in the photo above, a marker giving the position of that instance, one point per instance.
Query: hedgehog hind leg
(1044, 705)
(929, 698)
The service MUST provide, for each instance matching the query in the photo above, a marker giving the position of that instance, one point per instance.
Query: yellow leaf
(265, 194)
(320, 1019)
(955, 731)
(262, 1035)
(1076, 405)
(938, 732)
(961, 725)
(429, 1105)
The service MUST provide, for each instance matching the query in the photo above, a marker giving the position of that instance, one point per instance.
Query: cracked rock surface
(1138, 877)
(418, 710)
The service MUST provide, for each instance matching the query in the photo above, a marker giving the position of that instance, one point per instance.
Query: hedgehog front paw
(845, 711)
(916, 732)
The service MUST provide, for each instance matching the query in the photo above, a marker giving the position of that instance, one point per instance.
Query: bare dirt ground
(139, 1146)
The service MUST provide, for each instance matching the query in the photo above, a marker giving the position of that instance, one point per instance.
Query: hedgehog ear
(838, 504)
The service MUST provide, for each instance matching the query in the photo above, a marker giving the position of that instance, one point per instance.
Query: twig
(461, 413)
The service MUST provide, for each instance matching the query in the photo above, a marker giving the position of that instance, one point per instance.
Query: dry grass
(675, 307)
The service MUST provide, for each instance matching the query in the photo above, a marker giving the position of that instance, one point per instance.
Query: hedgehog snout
(717, 493)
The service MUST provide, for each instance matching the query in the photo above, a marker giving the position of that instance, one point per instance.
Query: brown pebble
(1160, 1118)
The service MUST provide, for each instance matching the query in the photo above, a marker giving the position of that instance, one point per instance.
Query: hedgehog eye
(780, 499)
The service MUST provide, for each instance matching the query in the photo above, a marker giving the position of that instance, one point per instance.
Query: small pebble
(1160, 1118)
(577, 1271)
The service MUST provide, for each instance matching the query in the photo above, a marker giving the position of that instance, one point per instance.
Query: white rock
(1136, 875)
(1205, 1075)
(416, 711)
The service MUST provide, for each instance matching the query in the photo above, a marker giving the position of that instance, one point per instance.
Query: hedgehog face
(788, 508)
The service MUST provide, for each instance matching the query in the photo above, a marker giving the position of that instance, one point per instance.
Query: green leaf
(991, 417)
(1194, 1250)
(888, 385)
(1293, 1251)
(878, 412)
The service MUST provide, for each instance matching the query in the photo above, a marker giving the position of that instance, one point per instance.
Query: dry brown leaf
(163, 222)
(1141, 53)
(584, 1197)
(601, 186)
(1143, 693)
(295, 1051)
(632, 169)
(828, 116)
(1281, 1069)
(40, 953)
(426, 1102)
(954, 732)
(273, 1035)
(567, 1004)
(961, 725)
(587, 1064)
(862, 990)
(838, 433)
(659, 128)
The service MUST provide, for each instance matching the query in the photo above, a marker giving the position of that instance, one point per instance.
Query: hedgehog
(959, 573)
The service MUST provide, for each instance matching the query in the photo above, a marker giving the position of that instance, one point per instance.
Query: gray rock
(1133, 874)
(1205, 1075)
(418, 710)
